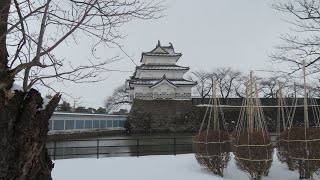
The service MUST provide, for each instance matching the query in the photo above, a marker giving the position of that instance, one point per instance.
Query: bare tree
(225, 77)
(239, 86)
(269, 86)
(30, 32)
(118, 98)
(204, 83)
(297, 90)
(303, 42)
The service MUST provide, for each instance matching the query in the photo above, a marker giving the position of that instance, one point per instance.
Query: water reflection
(135, 145)
(114, 146)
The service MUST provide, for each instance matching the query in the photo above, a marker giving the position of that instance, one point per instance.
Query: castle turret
(158, 77)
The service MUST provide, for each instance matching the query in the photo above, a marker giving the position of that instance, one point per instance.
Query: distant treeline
(66, 107)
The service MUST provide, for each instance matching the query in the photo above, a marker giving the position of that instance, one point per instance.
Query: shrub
(212, 150)
(253, 152)
(301, 149)
(140, 121)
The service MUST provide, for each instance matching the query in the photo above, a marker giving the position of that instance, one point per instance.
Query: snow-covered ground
(168, 167)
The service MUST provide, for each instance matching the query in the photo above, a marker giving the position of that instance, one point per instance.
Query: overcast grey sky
(209, 34)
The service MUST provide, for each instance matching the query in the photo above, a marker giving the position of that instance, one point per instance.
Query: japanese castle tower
(158, 76)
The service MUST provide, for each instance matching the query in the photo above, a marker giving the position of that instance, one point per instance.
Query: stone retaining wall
(175, 115)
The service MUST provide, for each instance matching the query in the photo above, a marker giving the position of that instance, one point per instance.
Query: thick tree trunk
(5, 78)
(4, 12)
(23, 122)
(23, 132)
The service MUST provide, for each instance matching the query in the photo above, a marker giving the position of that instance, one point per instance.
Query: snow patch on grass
(164, 167)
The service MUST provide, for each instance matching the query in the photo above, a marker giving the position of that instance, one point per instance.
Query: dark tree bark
(23, 132)
(5, 79)
(23, 122)
(4, 12)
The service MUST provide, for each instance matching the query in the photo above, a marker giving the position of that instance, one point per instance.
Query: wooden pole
(215, 109)
(281, 106)
(247, 98)
(251, 105)
(260, 124)
(278, 111)
(305, 102)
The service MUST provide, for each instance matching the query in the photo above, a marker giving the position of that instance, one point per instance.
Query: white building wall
(160, 60)
(183, 93)
(183, 90)
(161, 88)
(162, 91)
(164, 88)
(154, 74)
(143, 92)
(142, 89)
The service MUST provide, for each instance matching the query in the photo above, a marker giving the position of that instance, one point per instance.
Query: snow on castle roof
(164, 79)
(151, 82)
(162, 67)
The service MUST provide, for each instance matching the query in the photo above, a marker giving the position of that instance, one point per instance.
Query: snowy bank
(168, 167)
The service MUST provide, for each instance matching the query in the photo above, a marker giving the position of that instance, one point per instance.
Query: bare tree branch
(204, 83)
(118, 98)
(225, 78)
(303, 42)
(34, 29)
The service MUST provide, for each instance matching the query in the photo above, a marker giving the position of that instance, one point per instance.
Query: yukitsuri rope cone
(284, 115)
(252, 144)
(212, 145)
(301, 145)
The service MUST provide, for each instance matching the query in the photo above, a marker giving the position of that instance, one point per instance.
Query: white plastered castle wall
(142, 89)
(149, 60)
(164, 88)
(145, 74)
(161, 88)
(183, 89)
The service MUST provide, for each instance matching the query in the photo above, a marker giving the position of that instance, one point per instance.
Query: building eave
(162, 67)
(133, 82)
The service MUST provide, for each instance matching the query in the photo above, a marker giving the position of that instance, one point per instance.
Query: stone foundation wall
(183, 115)
(157, 115)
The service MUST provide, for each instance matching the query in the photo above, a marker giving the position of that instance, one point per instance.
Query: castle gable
(162, 82)
(159, 50)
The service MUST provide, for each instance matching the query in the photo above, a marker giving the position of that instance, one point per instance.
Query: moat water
(121, 146)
